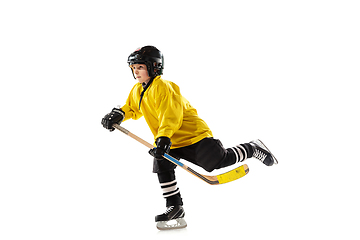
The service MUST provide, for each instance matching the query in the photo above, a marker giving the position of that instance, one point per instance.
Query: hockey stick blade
(212, 180)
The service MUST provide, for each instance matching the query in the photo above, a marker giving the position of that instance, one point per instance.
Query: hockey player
(177, 130)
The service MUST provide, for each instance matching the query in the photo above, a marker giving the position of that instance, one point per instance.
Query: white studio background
(282, 71)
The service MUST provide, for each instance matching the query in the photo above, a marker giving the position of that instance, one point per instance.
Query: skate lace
(169, 209)
(259, 155)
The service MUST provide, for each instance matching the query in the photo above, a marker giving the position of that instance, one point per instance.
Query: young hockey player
(177, 129)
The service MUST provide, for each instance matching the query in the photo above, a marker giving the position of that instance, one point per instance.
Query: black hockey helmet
(151, 57)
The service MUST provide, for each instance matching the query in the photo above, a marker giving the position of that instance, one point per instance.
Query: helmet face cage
(151, 57)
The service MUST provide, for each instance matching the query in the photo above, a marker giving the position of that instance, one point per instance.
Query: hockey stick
(212, 180)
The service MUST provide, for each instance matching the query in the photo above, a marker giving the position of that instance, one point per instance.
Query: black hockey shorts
(208, 153)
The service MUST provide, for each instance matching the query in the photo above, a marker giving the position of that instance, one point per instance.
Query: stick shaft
(213, 180)
(208, 179)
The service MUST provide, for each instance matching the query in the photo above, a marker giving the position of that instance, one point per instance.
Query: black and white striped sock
(242, 152)
(169, 188)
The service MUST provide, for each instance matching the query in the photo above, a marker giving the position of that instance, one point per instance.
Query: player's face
(140, 73)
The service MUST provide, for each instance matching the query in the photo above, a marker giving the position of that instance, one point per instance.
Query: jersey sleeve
(130, 108)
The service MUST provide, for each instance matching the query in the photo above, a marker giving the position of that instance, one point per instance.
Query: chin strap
(145, 86)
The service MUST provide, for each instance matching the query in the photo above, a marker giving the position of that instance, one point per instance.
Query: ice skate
(173, 218)
(262, 153)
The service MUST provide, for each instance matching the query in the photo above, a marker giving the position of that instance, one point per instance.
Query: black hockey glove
(163, 145)
(116, 116)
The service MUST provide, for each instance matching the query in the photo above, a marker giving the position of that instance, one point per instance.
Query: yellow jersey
(166, 112)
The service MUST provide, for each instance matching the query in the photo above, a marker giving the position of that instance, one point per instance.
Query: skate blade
(263, 145)
(172, 224)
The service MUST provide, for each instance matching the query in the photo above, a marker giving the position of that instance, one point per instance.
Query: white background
(286, 72)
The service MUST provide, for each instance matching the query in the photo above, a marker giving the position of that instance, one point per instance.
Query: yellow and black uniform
(166, 112)
(169, 114)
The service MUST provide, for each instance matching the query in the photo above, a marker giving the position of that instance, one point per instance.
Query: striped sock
(169, 188)
(240, 153)
(236, 154)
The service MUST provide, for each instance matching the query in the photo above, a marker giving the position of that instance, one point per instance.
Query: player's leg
(175, 212)
(210, 154)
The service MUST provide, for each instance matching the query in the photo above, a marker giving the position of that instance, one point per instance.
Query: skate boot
(262, 153)
(173, 218)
